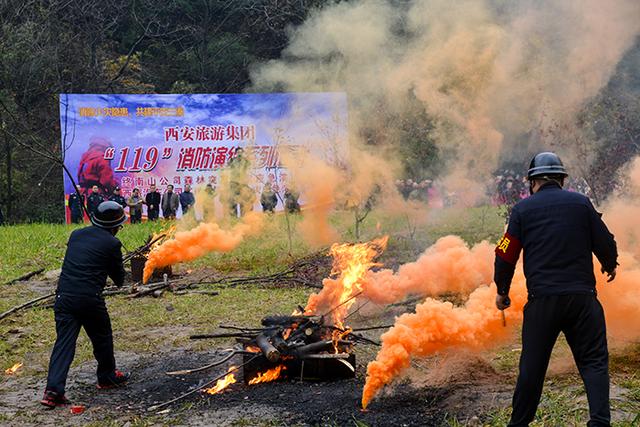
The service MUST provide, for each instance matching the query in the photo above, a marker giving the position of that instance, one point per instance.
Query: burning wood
(311, 343)
(12, 370)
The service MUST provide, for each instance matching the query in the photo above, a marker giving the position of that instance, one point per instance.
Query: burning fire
(337, 335)
(12, 370)
(222, 383)
(350, 264)
(268, 376)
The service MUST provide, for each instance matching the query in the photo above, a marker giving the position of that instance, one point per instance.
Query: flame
(12, 370)
(162, 236)
(194, 243)
(222, 383)
(337, 335)
(287, 333)
(252, 349)
(350, 264)
(268, 376)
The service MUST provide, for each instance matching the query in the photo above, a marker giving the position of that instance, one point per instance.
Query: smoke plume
(447, 266)
(206, 237)
(438, 325)
(489, 72)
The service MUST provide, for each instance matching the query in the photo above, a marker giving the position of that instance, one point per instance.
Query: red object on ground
(77, 409)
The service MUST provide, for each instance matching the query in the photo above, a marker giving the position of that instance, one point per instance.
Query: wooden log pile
(295, 336)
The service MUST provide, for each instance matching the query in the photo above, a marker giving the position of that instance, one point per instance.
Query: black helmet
(546, 164)
(108, 215)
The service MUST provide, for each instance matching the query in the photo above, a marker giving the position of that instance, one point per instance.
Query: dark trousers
(76, 217)
(136, 218)
(152, 214)
(581, 319)
(71, 313)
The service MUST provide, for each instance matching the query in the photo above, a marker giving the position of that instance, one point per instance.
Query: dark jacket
(153, 199)
(93, 253)
(187, 199)
(119, 200)
(75, 203)
(558, 231)
(93, 201)
(170, 203)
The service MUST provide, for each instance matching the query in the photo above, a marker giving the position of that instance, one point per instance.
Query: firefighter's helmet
(546, 164)
(108, 215)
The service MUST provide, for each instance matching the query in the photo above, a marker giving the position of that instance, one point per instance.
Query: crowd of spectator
(505, 189)
(509, 187)
(168, 203)
(424, 190)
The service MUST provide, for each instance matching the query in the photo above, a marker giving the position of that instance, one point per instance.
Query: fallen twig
(24, 277)
(197, 292)
(209, 366)
(223, 335)
(26, 305)
(372, 328)
(203, 386)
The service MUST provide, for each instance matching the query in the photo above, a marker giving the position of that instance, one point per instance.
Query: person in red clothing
(94, 169)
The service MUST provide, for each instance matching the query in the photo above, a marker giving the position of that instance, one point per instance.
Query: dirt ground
(428, 400)
(290, 402)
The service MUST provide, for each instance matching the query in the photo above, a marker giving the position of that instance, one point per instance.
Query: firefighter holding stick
(93, 253)
(557, 231)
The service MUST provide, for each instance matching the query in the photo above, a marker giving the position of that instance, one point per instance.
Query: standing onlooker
(268, 198)
(291, 203)
(76, 204)
(152, 200)
(170, 203)
(94, 199)
(135, 203)
(116, 197)
(187, 199)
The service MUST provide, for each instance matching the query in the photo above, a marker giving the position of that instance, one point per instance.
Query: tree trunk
(9, 176)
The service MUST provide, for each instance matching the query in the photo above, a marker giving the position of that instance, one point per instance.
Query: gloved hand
(503, 302)
(611, 274)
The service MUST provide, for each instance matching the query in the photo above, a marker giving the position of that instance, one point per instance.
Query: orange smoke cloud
(438, 325)
(621, 298)
(447, 266)
(318, 182)
(194, 243)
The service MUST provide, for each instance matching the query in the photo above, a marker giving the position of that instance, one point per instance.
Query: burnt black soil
(288, 402)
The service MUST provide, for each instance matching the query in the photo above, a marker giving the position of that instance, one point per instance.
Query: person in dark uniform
(268, 198)
(291, 203)
(558, 231)
(93, 253)
(152, 200)
(187, 199)
(76, 204)
(116, 197)
(94, 200)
